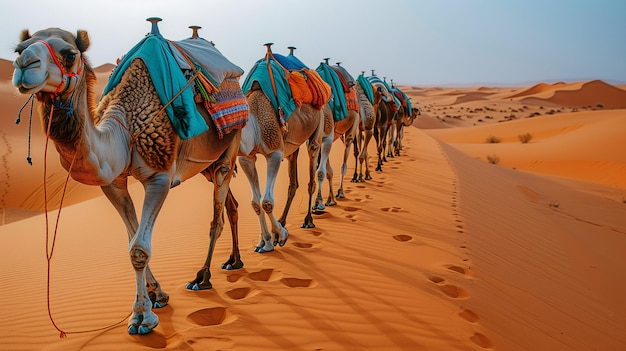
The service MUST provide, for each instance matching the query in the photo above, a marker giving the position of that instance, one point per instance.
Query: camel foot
(332, 202)
(264, 246)
(202, 281)
(340, 194)
(159, 300)
(281, 239)
(318, 207)
(232, 263)
(308, 222)
(142, 323)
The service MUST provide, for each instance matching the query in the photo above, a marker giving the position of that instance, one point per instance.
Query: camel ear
(82, 40)
(25, 35)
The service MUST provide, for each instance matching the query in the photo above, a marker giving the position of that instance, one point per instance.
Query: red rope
(50, 248)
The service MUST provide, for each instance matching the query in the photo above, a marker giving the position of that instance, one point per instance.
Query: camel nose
(28, 59)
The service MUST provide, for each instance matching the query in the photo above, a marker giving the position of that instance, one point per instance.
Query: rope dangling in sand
(50, 247)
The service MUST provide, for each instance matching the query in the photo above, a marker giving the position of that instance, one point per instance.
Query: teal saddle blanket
(165, 65)
(279, 92)
(338, 98)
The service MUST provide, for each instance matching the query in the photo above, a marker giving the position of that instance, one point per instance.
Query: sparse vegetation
(492, 139)
(525, 138)
(493, 159)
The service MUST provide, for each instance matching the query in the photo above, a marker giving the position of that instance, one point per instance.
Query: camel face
(48, 62)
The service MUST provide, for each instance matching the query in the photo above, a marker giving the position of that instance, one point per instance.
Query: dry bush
(493, 159)
(525, 138)
(492, 139)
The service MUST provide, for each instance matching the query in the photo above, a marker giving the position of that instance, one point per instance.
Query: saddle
(288, 83)
(184, 73)
(338, 100)
(405, 102)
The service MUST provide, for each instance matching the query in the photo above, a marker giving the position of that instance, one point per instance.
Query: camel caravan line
(174, 109)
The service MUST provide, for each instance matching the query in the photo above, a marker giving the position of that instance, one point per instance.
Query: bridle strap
(64, 73)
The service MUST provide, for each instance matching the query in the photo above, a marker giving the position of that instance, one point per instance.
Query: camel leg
(364, 157)
(380, 139)
(117, 193)
(329, 176)
(234, 261)
(293, 184)
(313, 150)
(391, 139)
(142, 319)
(220, 173)
(327, 143)
(249, 169)
(358, 142)
(344, 168)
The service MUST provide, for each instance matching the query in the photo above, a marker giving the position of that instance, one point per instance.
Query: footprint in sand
(351, 209)
(393, 209)
(459, 269)
(482, 341)
(302, 245)
(211, 316)
(241, 293)
(402, 237)
(469, 316)
(298, 282)
(449, 290)
(263, 275)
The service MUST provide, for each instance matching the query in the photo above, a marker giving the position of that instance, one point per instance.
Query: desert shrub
(492, 139)
(525, 138)
(493, 159)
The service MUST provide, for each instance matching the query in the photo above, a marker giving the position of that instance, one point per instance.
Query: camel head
(48, 60)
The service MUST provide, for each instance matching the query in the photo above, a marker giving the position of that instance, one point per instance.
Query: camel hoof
(199, 287)
(319, 207)
(143, 330)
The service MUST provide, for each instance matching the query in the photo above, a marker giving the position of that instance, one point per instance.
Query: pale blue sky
(413, 42)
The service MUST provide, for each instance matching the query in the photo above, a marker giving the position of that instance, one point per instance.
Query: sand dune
(440, 251)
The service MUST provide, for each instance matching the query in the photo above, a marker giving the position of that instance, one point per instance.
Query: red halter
(65, 75)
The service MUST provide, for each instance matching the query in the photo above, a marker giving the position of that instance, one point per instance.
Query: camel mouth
(23, 89)
(24, 83)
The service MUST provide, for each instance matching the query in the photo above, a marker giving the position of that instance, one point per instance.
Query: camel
(384, 108)
(345, 128)
(269, 135)
(406, 114)
(365, 132)
(125, 134)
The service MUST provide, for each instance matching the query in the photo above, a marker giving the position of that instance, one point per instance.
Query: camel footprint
(298, 282)
(449, 290)
(393, 209)
(211, 316)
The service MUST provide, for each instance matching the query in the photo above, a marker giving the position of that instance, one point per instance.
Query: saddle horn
(269, 47)
(326, 59)
(373, 73)
(194, 34)
(155, 27)
(291, 49)
(338, 63)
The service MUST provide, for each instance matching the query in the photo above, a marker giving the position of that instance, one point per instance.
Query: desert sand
(443, 250)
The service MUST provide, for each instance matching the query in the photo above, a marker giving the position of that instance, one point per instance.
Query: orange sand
(441, 251)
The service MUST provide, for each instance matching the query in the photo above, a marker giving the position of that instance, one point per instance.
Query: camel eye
(70, 58)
